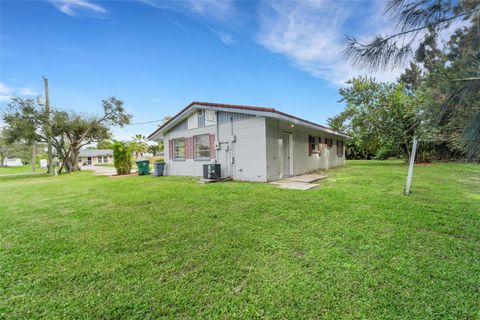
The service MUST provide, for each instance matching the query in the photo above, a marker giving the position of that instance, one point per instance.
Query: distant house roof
(260, 111)
(95, 152)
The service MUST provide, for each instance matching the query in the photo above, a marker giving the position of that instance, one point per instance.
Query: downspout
(220, 143)
(232, 152)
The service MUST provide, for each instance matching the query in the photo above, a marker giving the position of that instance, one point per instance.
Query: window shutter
(309, 145)
(212, 146)
(189, 148)
(170, 149)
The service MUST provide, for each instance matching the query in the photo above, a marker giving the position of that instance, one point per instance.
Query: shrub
(122, 157)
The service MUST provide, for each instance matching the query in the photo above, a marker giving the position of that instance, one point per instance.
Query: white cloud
(27, 92)
(156, 100)
(311, 34)
(7, 92)
(71, 7)
(225, 37)
(4, 89)
(219, 9)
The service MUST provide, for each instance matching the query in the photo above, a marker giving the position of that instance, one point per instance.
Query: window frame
(329, 143)
(201, 118)
(341, 146)
(174, 142)
(207, 136)
(313, 144)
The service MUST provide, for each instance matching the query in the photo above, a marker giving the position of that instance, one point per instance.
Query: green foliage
(155, 148)
(451, 86)
(122, 157)
(26, 122)
(105, 144)
(379, 116)
(438, 100)
(446, 74)
(139, 144)
(169, 248)
(384, 153)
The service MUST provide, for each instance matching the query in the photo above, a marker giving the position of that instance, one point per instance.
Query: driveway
(100, 170)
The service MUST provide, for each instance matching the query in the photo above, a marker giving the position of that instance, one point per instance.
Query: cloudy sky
(157, 56)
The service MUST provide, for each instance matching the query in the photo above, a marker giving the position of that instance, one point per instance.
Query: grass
(21, 169)
(81, 246)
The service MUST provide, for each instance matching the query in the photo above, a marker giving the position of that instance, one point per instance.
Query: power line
(131, 124)
(134, 124)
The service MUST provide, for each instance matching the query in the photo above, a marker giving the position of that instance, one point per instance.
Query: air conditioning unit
(211, 171)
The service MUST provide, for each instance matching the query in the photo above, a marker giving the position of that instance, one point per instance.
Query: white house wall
(302, 162)
(248, 151)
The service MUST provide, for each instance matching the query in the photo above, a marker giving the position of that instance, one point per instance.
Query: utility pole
(33, 155)
(48, 128)
(410, 168)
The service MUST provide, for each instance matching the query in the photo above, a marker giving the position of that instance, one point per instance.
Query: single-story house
(250, 143)
(88, 157)
(12, 162)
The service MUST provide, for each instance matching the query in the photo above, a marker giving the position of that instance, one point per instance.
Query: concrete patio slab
(286, 184)
(307, 178)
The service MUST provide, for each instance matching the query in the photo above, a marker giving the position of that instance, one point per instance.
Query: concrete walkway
(301, 182)
(100, 170)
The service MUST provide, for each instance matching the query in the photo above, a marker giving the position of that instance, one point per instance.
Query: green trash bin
(143, 167)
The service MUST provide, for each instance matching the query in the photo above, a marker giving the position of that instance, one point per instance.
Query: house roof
(95, 152)
(261, 111)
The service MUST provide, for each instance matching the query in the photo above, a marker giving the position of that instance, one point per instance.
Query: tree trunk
(33, 156)
(71, 160)
(74, 156)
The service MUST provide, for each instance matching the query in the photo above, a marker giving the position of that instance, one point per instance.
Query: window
(201, 118)
(202, 147)
(179, 148)
(319, 148)
(339, 148)
(105, 159)
(329, 142)
(312, 146)
(99, 159)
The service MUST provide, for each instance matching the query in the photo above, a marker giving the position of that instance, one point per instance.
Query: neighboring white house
(88, 157)
(250, 143)
(12, 162)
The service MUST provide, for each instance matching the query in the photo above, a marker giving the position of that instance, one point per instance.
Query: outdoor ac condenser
(211, 171)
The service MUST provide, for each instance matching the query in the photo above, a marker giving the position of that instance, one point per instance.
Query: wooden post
(410, 168)
(33, 156)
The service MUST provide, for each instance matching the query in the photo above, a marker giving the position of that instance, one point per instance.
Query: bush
(384, 153)
(122, 157)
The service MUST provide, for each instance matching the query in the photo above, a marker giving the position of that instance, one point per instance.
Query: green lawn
(20, 169)
(84, 246)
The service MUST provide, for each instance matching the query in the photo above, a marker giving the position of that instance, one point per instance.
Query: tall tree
(70, 131)
(105, 144)
(379, 116)
(139, 144)
(414, 19)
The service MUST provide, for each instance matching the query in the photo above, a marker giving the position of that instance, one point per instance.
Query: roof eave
(264, 112)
